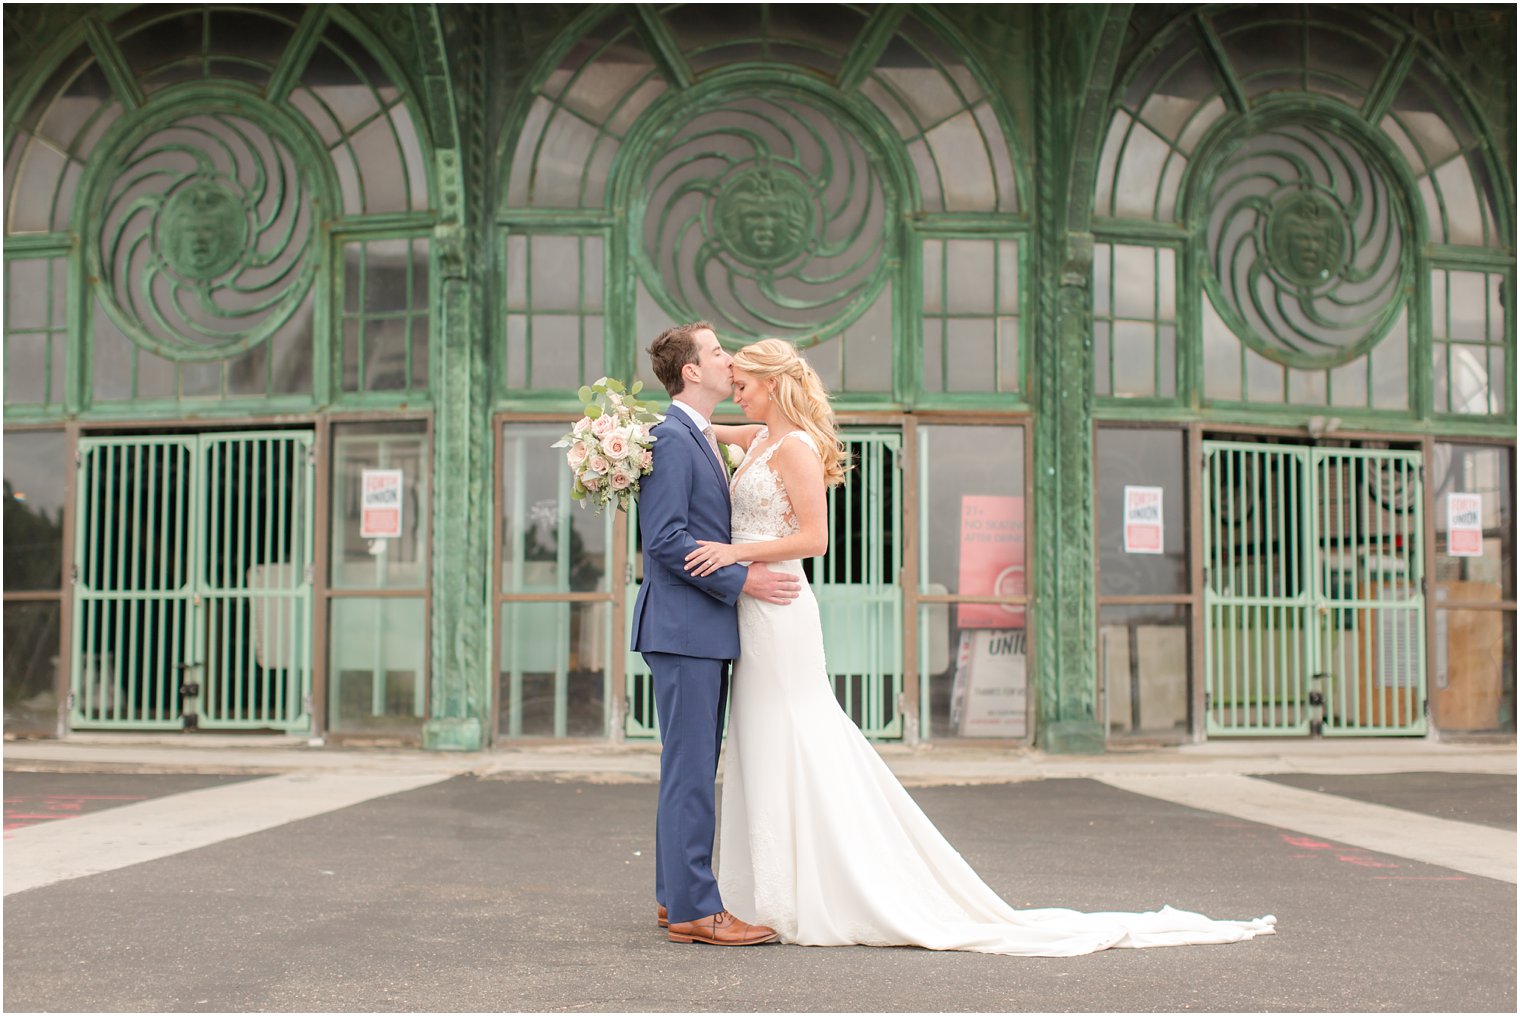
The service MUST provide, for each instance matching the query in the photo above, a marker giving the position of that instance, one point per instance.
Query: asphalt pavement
(522, 882)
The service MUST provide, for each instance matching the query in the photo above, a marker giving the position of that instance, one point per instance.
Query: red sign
(992, 559)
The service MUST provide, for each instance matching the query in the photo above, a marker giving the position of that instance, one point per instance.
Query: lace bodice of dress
(761, 508)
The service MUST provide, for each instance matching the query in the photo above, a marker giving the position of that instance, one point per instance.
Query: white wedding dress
(818, 840)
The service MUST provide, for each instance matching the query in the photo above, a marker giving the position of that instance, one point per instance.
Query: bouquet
(609, 447)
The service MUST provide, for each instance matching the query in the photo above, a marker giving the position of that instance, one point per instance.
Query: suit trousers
(691, 695)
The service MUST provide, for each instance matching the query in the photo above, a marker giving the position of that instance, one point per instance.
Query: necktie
(712, 442)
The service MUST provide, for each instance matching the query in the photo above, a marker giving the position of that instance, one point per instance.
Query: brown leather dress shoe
(721, 928)
(661, 916)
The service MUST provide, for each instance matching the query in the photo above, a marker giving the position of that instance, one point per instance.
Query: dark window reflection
(36, 470)
(31, 666)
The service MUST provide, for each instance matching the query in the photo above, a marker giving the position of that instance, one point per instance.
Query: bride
(818, 839)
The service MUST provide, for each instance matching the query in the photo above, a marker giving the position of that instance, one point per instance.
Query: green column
(1079, 53)
(460, 627)
(1064, 499)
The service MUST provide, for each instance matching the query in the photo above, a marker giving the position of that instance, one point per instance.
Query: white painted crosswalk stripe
(131, 834)
(1462, 846)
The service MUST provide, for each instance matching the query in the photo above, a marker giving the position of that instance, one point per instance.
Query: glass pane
(36, 474)
(1143, 667)
(377, 678)
(1141, 458)
(1134, 353)
(556, 352)
(27, 374)
(364, 555)
(970, 275)
(1479, 562)
(32, 647)
(973, 657)
(1135, 282)
(27, 303)
(1473, 686)
(868, 348)
(553, 670)
(556, 272)
(971, 513)
(972, 355)
(548, 542)
(965, 172)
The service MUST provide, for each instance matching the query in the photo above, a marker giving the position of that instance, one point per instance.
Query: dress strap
(807, 439)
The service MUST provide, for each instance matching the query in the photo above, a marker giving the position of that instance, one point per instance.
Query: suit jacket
(683, 500)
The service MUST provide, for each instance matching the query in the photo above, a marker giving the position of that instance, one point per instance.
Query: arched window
(1333, 192)
(217, 203)
(840, 176)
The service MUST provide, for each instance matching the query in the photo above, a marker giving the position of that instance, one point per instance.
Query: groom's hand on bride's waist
(771, 586)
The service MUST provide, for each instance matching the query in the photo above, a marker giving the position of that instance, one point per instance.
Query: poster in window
(380, 504)
(990, 697)
(1143, 529)
(1464, 525)
(992, 560)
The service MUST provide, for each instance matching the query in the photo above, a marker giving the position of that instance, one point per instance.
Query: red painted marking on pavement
(54, 806)
(1365, 862)
(94, 797)
(1305, 843)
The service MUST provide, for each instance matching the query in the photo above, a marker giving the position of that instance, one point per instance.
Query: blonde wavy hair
(802, 397)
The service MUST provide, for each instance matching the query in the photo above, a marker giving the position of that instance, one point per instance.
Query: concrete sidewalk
(939, 764)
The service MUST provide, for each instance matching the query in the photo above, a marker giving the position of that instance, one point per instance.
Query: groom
(687, 630)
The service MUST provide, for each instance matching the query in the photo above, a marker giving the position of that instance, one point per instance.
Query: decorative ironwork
(202, 243)
(766, 214)
(1306, 246)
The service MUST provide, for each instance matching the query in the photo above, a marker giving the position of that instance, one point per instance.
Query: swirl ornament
(766, 215)
(202, 245)
(1306, 249)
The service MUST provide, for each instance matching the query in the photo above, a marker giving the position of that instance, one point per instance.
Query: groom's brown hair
(673, 349)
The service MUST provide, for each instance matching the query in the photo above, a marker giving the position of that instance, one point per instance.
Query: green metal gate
(192, 582)
(859, 597)
(1313, 593)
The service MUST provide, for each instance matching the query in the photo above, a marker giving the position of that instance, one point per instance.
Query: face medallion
(202, 230)
(764, 217)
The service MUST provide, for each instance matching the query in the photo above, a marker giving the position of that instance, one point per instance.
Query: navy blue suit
(687, 630)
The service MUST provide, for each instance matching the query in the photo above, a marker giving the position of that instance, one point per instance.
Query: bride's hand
(709, 557)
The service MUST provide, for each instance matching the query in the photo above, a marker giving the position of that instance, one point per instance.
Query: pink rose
(598, 463)
(590, 482)
(621, 480)
(577, 454)
(582, 425)
(616, 446)
(603, 425)
(646, 461)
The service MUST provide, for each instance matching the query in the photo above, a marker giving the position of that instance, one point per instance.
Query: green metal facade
(236, 230)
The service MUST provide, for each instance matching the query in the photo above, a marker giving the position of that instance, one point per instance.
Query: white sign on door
(380, 504)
